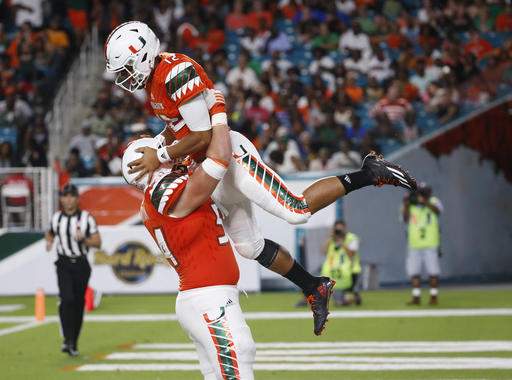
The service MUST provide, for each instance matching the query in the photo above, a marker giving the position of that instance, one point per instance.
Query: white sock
(416, 292)
(433, 292)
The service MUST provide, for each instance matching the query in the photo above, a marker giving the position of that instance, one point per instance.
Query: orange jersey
(195, 245)
(176, 79)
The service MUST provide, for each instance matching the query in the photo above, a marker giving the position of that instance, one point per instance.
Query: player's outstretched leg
(262, 186)
(375, 171)
(242, 228)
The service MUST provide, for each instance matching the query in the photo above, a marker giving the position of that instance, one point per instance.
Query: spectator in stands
(326, 39)
(385, 129)
(6, 155)
(85, 142)
(356, 62)
(504, 19)
(259, 18)
(255, 42)
(379, 66)
(345, 157)
(74, 165)
(100, 121)
(410, 130)
(355, 131)
(374, 90)
(346, 6)
(110, 152)
(237, 19)
(420, 78)
(288, 149)
(443, 101)
(15, 111)
(355, 39)
(278, 41)
(36, 144)
(321, 61)
(242, 75)
(353, 91)
(392, 106)
(163, 16)
(56, 36)
(477, 45)
(321, 162)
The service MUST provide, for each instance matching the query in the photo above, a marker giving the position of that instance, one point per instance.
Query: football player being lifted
(182, 95)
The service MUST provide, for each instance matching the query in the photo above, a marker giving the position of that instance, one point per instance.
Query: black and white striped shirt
(64, 228)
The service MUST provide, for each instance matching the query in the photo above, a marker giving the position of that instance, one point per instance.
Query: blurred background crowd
(314, 84)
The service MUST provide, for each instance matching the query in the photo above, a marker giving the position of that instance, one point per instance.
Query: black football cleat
(319, 302)
(385, 173)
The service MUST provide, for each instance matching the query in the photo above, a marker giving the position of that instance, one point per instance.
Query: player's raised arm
(203, 182)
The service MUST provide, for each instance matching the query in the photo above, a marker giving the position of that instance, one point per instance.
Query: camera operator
(420, 211)
(342, 264)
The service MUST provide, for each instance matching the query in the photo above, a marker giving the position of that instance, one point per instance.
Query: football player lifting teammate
(181, 94)
(178, 213)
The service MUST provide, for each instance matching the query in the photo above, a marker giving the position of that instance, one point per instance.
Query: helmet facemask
(129, 79)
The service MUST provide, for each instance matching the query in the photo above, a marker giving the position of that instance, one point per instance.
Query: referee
(74, 231)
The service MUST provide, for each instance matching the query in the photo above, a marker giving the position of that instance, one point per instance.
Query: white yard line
(344, 344)
(463, 347)
(291, 315)
(9, 308)
(262, 357)
(18, 328)
(494, 363)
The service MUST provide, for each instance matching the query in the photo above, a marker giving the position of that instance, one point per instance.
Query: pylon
(89, 299)
(40, 305)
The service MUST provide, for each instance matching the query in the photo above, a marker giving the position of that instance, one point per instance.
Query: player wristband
(163, 155)
(214, 169)
(160, 139)
(219, 119)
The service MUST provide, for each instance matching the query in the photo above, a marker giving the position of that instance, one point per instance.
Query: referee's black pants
(73, 276)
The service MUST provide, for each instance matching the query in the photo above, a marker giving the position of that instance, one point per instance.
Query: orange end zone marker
(40, 305)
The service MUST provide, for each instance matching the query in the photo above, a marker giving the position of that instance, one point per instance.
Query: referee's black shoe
(385, 173)
(69, 349)
(319, 302)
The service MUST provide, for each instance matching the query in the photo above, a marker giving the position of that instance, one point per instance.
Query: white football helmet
(130, 155)
(130, 52)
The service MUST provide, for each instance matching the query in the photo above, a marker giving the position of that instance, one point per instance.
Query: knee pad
(251, 249)
(268, 254)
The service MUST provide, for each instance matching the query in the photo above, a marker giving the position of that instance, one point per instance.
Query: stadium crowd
(314, 84)
(37, 41)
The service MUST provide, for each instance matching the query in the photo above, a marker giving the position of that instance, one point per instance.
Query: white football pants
(249, 180)
(212, 318)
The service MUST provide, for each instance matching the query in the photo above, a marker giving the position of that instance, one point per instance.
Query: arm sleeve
(195, 114)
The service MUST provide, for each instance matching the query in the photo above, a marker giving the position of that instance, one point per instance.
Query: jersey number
(222, 239)
(164, 247)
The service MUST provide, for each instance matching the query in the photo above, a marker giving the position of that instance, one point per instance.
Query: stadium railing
(75, 95)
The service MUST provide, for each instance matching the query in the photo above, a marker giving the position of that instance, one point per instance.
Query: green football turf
(34, 353)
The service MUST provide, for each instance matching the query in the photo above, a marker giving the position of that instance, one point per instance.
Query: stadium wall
(469, 166)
